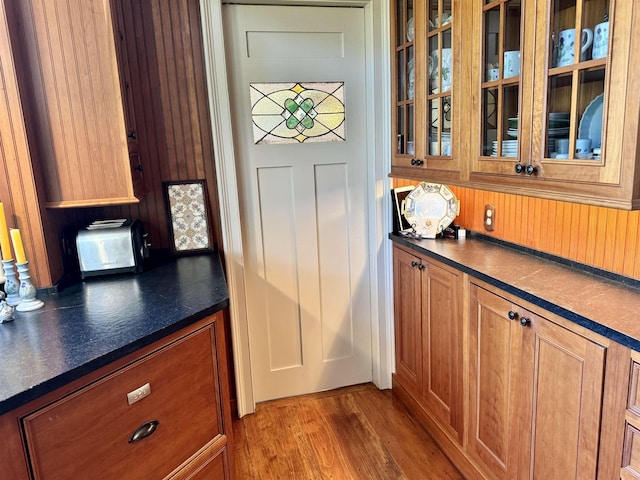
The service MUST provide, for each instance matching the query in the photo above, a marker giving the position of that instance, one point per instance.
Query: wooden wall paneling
(23, 206)
(631, 247)
(600, 237)
(163, 41)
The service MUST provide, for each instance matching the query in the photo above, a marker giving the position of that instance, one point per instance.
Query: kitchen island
(107, 337)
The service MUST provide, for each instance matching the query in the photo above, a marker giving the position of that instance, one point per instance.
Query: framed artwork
(189, 225)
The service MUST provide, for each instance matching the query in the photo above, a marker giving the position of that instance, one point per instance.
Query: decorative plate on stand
(430, 208)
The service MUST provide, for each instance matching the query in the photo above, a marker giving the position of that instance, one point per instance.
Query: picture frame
(188, 216)
(397, 197)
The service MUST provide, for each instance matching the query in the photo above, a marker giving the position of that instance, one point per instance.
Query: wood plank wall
(600, 237)
(163, 41)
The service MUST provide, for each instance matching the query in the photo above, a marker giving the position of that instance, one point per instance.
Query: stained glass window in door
(298, 112)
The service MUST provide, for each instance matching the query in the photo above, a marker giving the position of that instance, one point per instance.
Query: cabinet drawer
(87, 434)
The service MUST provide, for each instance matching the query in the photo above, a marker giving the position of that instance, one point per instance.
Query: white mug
(583, 146)
(566, 45)
(562, 145)
(600, 40)
(511, 64)
(493, 74)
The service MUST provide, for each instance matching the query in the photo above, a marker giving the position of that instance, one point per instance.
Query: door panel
(303, 205)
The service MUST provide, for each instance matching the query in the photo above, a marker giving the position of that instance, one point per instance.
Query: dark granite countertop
(596, 301)
(92, 323)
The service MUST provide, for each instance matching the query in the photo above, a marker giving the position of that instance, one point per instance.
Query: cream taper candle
(5, 246)
(16, 238)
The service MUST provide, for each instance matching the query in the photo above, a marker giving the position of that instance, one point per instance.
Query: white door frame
(378, 153)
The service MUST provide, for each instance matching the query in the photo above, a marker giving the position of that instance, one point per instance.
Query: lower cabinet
(536, 392)
(508, 390)
(428, 336)
(162, 414)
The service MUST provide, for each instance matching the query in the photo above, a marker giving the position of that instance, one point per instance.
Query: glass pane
(434, 86)
(491, 44)
(410, 131)
(590, 104)
(559, 115)
(576, 39)
(400, 130)
(511, 56)
(489, 122)
(445, 126)
(434, 130)
(411, 74)
(401, 76)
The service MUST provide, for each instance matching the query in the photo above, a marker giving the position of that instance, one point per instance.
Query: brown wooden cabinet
(428, 336)
(507, 389)
(73, 88)
(528, 97)
(536, 393)
(182, 420)
(631, 454)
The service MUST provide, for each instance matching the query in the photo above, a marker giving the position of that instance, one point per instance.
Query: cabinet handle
(143, 431)
(519, 168)
(530, 170)
(132, 135)
(416, 162)
(420, 267)
(525, 322)
(138, 167)
(513, 315)
(414, 264)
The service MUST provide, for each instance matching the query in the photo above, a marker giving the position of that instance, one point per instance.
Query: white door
(303, 206)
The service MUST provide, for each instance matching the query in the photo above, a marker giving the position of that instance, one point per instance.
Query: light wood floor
(356, 432)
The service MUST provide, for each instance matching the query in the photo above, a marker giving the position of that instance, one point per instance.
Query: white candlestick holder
(11, 285)
(27, 291)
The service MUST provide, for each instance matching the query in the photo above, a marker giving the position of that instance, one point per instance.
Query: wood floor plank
(388, 415)
(352, 433)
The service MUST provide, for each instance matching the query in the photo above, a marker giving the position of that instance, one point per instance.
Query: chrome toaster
(111, 246)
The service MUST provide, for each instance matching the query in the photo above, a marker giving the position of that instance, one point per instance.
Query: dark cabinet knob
(513, 315)
(416, 162)
(414, 264)
(420, 267)
(132, 135)
(525, 322)
(519, 168)
(530, 170)
(138, 168)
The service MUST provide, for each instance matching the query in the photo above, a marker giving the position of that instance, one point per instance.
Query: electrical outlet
(489, 217)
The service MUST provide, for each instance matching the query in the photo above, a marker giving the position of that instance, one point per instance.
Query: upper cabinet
(426, 65)
(73, 89)
(550, 102)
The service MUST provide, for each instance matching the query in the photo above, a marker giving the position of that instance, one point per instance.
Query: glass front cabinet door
(425, 84)
(562, 122)
(585, 82)
(501, 77)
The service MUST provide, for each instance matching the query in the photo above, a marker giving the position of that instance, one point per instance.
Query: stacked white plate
(513, 132)
(509, 148)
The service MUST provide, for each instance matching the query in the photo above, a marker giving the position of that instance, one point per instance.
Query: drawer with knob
(142, 421)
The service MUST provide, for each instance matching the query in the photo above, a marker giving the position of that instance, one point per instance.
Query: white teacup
(511, 64)
(600, 40)
(566, 45)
